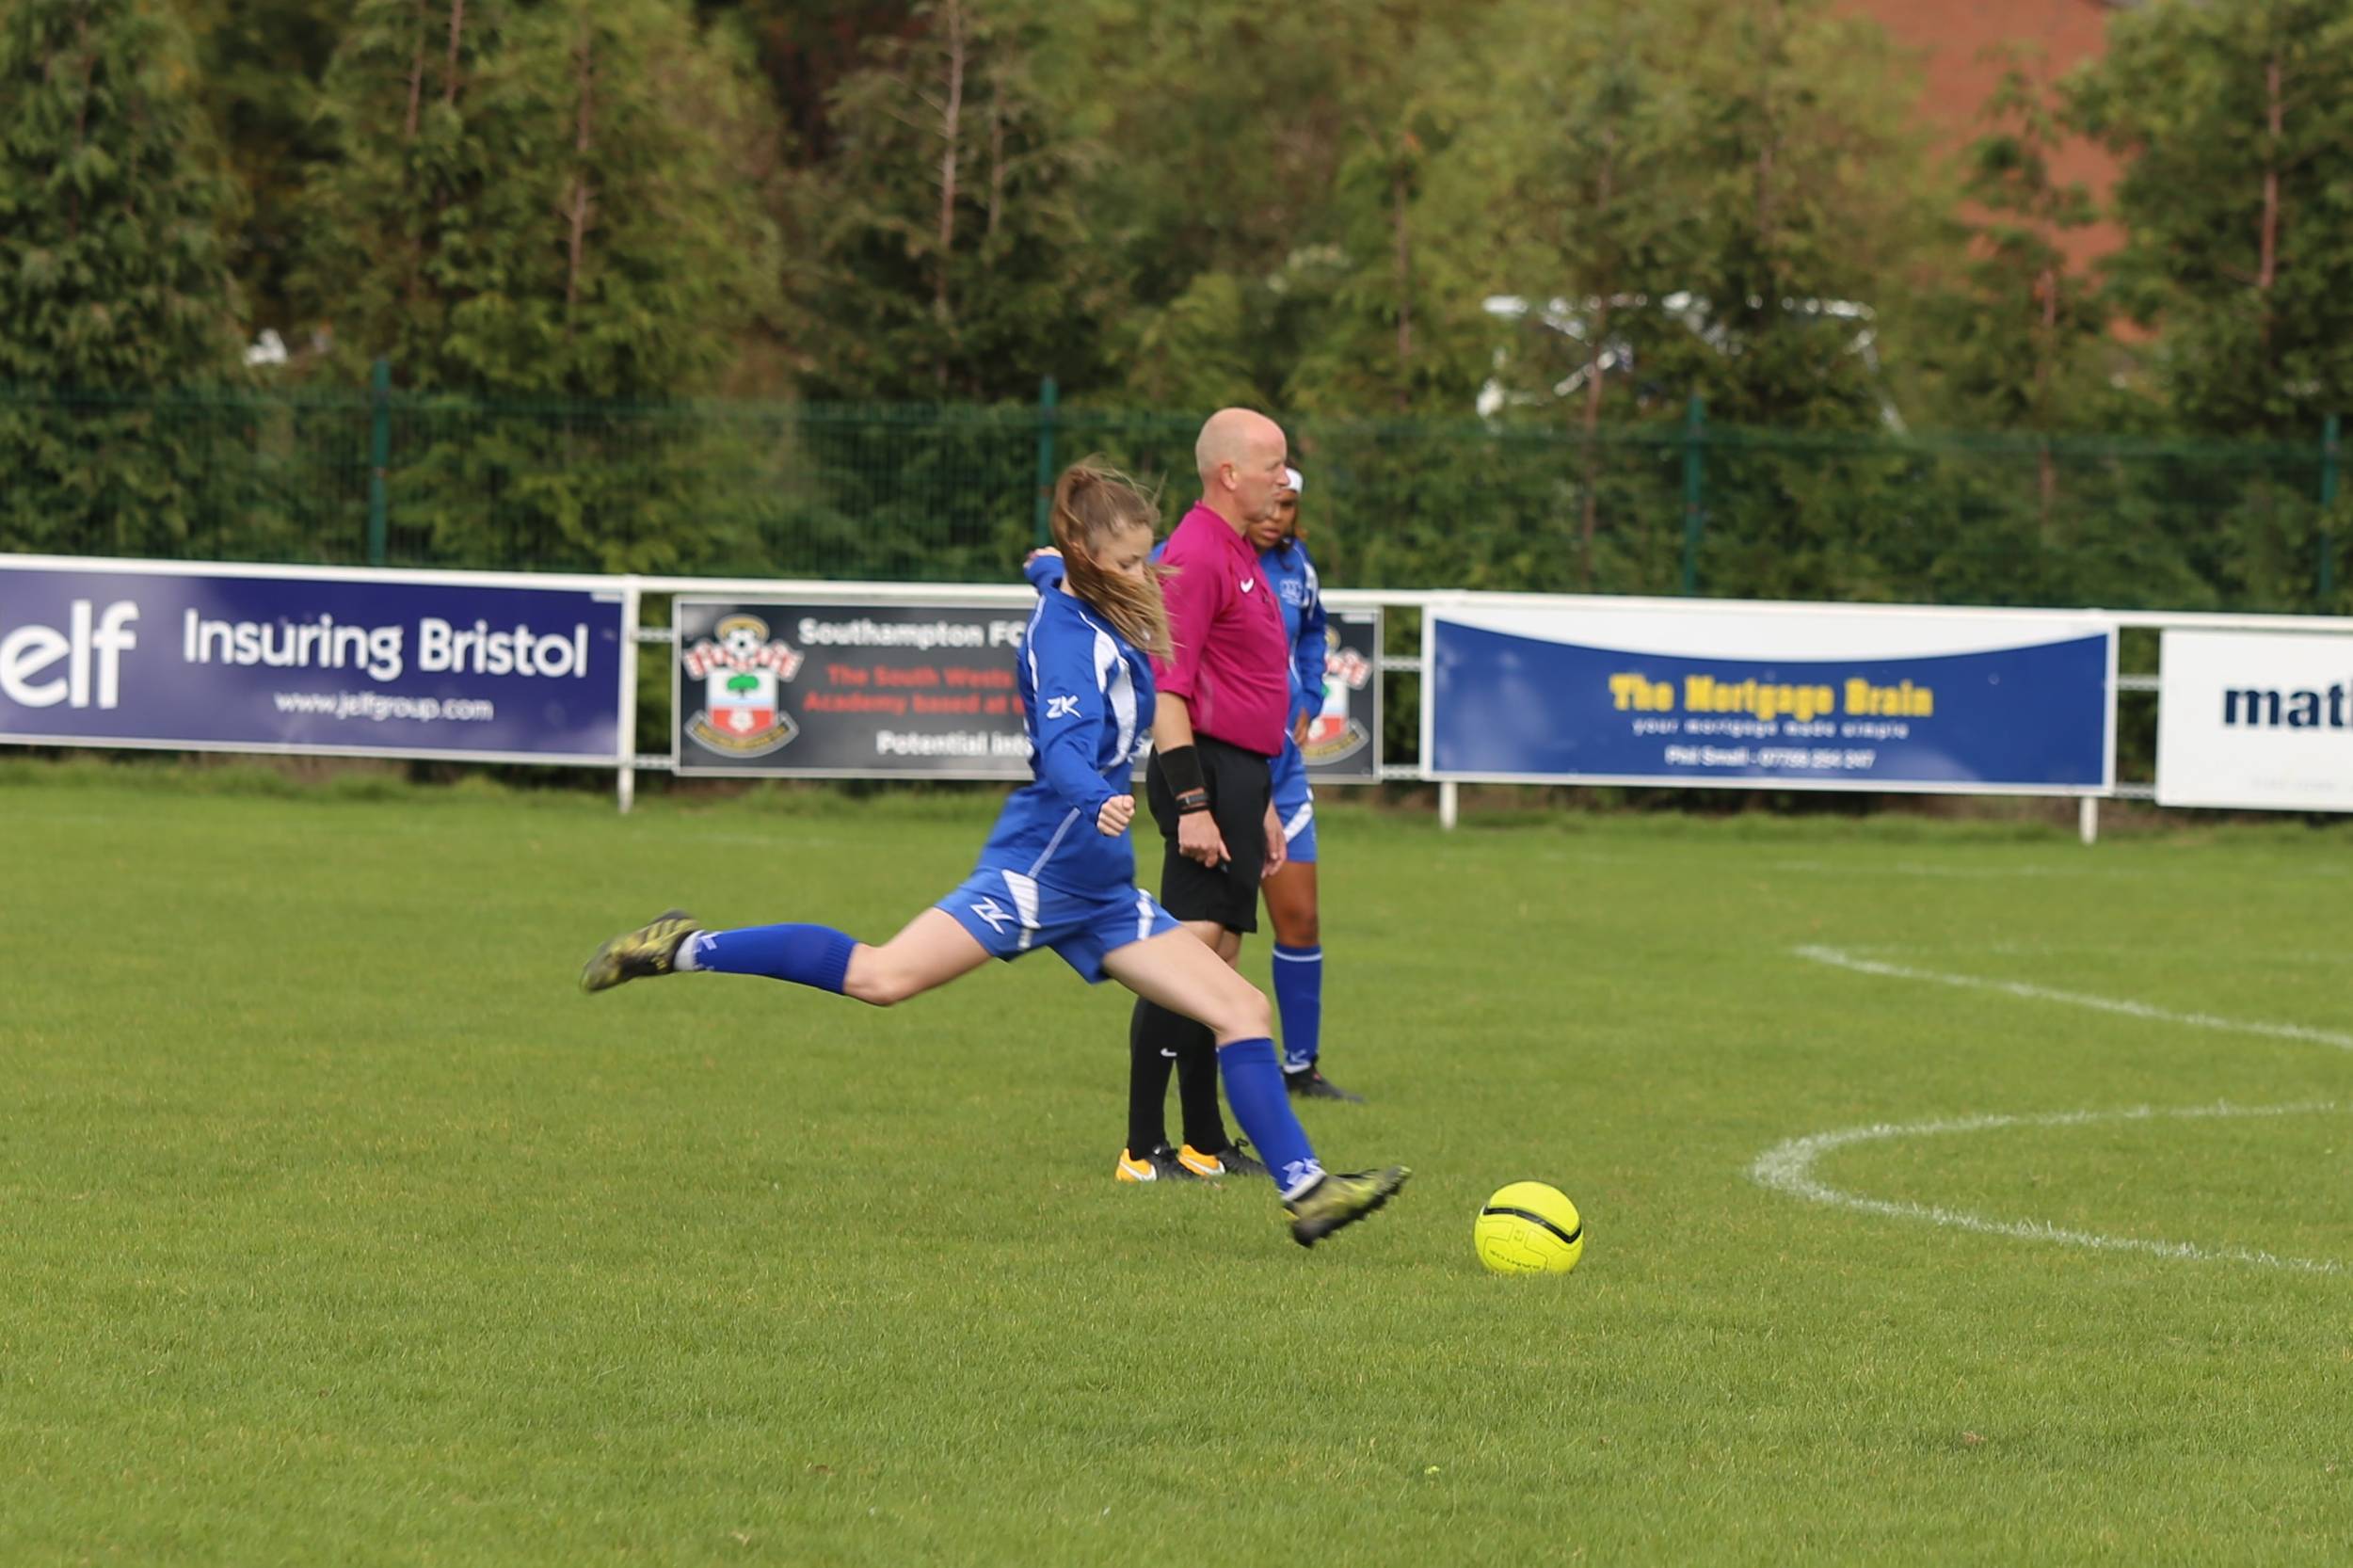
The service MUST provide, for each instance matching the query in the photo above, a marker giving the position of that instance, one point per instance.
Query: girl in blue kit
(1291, 892)
(1058, 871)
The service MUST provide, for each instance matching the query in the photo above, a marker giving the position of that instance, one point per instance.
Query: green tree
(2235, 124)
(114, 278)
(805, 48)
(258, 67)
(2024, 335)
(1811, 208)
(1586, 152)
(1384, 316)
(2019, 341)
(950, 254)
(560, 201)
(557, 200)
(1193, 354)
(1807, 186)
(113, 270)
(1248, 187)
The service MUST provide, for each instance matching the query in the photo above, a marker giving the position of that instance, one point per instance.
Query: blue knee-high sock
(805, 954)
(1299, 996)
(1253, 1087)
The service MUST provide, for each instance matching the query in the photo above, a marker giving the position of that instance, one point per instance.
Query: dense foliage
(1642, 298)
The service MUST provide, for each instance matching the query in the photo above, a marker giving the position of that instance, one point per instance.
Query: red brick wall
(1946, 37)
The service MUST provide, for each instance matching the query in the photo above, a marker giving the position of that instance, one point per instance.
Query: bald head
(1240, 456)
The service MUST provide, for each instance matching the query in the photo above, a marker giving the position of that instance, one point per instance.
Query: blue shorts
(1009, 914)
(1295, 804)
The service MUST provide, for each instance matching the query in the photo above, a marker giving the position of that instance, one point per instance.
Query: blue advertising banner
(1829, 697)
(468, 666)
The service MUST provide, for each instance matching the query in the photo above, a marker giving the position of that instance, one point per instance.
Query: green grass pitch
(337, 1226)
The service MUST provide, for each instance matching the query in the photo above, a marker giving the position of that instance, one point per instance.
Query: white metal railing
(1418, 601)
(633, 589)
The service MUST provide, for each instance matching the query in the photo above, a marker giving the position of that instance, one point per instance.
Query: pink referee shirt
(1232, 663)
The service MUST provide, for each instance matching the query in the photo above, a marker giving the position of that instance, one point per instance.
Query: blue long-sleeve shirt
(1293, 576)
(1086, 700)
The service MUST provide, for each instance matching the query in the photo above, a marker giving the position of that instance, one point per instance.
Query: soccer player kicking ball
(1058, 871)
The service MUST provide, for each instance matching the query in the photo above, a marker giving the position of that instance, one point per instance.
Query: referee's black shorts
(1240, 785)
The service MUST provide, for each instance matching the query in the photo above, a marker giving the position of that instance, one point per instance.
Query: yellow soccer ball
(1529, 1228)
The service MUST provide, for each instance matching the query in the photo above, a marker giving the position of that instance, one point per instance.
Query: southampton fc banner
(798, 689)
(1786, 696)
(873, 689)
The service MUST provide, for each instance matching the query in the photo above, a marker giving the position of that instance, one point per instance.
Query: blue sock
(1253, 1087)
(805, 954)
(1298, 996)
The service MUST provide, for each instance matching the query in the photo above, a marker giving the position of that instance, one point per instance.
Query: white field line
(1788, 1167)
(2067, 950)
(1966, 874)
(2306, 867)
(1837, 958)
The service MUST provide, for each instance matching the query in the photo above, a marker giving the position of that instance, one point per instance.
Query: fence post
(625, 775)
(380, 453)
(1694, 490)
(2328, 582)
(1045, 397)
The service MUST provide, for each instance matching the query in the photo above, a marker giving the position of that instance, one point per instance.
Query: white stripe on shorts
(1024, 893)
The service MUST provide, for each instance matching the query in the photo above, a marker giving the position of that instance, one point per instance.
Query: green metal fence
(1684, 505)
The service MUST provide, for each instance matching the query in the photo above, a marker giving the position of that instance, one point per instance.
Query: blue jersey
(1293, 578)
(1086, 700)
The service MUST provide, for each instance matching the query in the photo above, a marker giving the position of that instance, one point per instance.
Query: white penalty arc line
(1837, 958)
(1788, 1168)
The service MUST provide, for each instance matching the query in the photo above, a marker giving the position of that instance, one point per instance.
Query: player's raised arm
(1043, 568)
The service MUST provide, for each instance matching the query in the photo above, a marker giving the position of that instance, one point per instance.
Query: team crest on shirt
(742, 670)
(1335, 732)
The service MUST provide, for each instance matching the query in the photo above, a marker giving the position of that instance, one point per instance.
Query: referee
(1224, 704)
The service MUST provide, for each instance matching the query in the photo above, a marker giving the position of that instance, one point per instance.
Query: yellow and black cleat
(1159, 1163)
(1340, 1200)
(649, 950)
(1235, 1159)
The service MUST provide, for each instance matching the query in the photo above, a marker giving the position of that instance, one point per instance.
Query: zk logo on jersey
(1062, 707)
(741, 670)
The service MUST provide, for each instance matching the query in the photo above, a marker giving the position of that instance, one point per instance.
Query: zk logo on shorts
(996, 914)
(1062, 707)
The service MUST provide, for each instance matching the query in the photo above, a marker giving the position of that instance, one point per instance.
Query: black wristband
(1182, 767)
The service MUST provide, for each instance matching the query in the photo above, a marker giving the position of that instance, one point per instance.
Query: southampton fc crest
(1335, 733)
(742, 712)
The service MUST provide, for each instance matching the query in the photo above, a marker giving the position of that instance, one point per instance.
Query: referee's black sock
(1196, 1090)
(1148, 1031)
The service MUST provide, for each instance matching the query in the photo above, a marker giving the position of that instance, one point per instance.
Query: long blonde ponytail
(1094, 501)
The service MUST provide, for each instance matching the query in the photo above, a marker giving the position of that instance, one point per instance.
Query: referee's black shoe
(1235, 1159)
(1309, 1083)
(1159, 1163)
